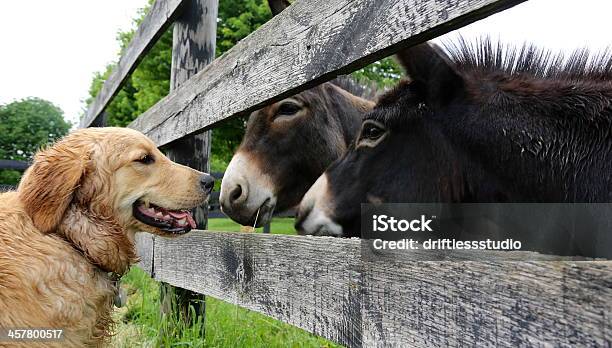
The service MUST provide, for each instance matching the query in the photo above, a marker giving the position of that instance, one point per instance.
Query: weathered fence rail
(321, 284)
(309, 43)
(159, 18)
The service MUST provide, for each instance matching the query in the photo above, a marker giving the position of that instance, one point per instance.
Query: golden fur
(70, 223)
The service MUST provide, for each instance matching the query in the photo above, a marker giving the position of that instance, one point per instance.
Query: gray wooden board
(488, 304)
(159, 18)
(321, 285)
(193, 47)
(194, 40)
(145, 246)
(308, 43)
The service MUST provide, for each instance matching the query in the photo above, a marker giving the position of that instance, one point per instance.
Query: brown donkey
(287, 145)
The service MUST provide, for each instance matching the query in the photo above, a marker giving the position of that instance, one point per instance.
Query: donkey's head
(487, 125)
(396, 156)
(287, 145)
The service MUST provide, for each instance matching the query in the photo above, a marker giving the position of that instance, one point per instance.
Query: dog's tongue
(183, 214)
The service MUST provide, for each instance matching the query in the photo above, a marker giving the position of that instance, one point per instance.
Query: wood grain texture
(193, 47)
(308, 43)
(100, 121)
(194, 40)
(268, 275)
(492, 304)
(144, 245)
(324, 286)
(159, 18)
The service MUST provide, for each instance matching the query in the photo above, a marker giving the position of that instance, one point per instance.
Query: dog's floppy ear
(47, 187)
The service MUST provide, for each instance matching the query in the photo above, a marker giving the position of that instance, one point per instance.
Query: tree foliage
(237, 19)
(26, 126)
(384, 73)
(150, 82)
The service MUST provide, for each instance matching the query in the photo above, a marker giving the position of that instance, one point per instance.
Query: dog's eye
(146, 159)
(288, 109)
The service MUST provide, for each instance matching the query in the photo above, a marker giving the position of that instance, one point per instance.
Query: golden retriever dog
(68, 230)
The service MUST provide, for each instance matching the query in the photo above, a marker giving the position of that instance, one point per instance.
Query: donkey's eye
(146, 159)
(288, 109)
(371, 133)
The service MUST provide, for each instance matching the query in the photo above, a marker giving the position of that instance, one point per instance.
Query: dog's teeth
(182, 222)
(159, 214)
(151, 210)
(146, 204)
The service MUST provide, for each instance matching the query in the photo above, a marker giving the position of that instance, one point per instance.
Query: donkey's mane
(482, 55)
(588, 76)
(364, 90)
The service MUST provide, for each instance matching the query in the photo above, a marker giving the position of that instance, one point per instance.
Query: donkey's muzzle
(246, 193)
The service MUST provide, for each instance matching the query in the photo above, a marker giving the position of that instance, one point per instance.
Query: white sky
(51, 48)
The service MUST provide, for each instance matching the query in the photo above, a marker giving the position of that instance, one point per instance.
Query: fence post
(100, 121)
(193, 47)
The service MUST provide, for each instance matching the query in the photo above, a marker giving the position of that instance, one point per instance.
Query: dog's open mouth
(172, 221)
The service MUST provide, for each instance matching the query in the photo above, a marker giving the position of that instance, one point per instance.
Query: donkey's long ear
(433, 72)
(47, 187)
(277, 6)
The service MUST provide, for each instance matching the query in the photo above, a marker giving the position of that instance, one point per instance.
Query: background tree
(150, 82)
(25, 126)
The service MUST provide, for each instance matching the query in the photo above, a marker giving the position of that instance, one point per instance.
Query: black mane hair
(482, 55)
(582, 70)
(366, 90)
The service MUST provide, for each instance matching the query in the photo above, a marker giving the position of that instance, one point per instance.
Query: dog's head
(98, 186)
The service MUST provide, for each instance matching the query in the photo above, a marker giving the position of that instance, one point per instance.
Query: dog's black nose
(207, 182)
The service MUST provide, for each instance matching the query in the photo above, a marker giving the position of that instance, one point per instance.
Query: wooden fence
(322, 284)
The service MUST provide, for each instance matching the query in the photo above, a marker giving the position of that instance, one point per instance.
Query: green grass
(141, 324)
(278, 226)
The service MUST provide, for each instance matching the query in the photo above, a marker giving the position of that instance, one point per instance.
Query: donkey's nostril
(235, 194)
